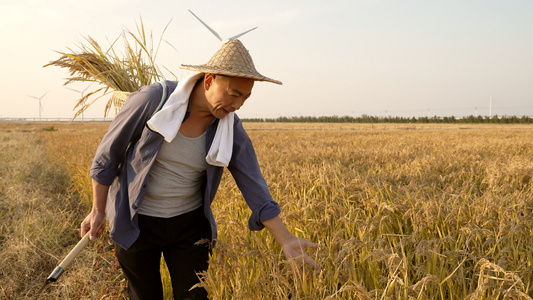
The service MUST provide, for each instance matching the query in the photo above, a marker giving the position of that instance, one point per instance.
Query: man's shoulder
(171, 84)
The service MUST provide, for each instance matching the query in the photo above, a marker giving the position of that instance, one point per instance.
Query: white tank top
(175, 180)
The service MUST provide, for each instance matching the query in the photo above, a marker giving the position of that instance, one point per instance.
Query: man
(156, 172)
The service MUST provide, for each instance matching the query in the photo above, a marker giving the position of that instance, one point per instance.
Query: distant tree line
(374, 119)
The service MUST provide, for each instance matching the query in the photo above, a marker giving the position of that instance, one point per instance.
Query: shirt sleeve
(125, 128)
(244, 168)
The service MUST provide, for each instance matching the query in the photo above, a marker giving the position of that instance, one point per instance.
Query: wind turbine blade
(210, 29)
(86, 88)
(33, 97)
(73, 90)
(241, 34)
(44, 95)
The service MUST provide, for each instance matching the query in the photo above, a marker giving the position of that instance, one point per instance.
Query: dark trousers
(175, 238)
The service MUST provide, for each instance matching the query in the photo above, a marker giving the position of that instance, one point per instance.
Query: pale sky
(396, 57)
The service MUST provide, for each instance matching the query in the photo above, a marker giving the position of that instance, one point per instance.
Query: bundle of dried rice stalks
(125, 72)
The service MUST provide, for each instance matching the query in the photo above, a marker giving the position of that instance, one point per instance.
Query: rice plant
(417, 212)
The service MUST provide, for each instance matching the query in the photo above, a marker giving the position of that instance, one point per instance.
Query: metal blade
(41, 289)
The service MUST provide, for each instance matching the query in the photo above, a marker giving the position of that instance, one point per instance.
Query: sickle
(65, 263)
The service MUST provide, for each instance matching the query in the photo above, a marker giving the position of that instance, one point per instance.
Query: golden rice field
(400, 211)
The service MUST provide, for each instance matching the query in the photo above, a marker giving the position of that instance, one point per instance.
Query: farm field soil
(401, 211)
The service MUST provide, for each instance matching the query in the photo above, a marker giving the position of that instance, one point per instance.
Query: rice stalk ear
(83, 104)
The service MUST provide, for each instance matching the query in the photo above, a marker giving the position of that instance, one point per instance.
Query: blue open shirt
(125, 167)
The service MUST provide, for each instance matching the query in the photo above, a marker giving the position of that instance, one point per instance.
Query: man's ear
(208, 81)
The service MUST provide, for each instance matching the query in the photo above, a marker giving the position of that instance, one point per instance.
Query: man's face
(227, 94)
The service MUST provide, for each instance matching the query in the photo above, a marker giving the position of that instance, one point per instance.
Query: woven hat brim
(215, 70)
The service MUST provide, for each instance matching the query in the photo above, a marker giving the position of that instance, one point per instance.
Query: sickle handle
(68, 259)
(74, 252)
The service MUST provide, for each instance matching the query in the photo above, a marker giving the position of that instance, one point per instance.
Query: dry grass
(400, 211)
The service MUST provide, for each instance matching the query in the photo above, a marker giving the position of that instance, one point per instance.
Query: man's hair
(222, 77)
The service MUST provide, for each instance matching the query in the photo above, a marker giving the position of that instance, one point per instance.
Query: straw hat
(232, 59)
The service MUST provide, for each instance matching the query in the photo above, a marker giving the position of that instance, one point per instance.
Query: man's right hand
(94, 224)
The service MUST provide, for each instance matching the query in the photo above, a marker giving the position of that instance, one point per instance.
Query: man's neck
(198, 102)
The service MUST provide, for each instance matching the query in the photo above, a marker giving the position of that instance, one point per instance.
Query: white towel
(168, 120)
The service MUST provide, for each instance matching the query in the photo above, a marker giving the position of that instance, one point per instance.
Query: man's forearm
(99, 196)
(278, 229)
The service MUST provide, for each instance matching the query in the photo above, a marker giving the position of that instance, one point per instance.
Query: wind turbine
(82, 94)
(217, 35)
(490, 107)
(40, 104)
